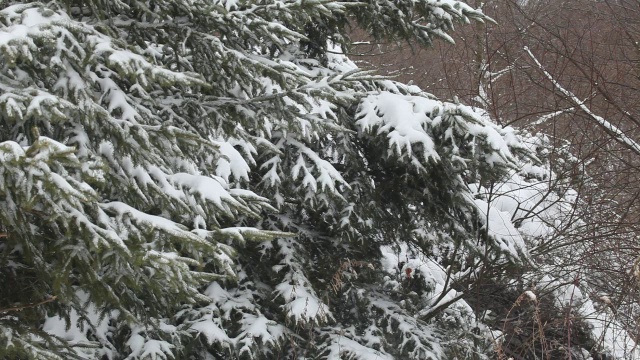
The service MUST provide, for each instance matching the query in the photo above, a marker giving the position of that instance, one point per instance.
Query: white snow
(403, 118)
(231, 163)
(499, 226)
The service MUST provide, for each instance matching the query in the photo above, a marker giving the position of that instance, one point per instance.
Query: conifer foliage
(215, 179)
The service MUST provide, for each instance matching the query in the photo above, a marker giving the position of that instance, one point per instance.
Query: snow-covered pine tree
(145, 145)
(112, 201)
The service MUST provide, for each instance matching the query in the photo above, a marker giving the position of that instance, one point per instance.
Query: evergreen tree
(215, 179)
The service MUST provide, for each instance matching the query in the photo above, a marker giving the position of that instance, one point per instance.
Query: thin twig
(22, 307)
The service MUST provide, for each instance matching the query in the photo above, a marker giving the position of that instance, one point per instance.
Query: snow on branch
(611, 129)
